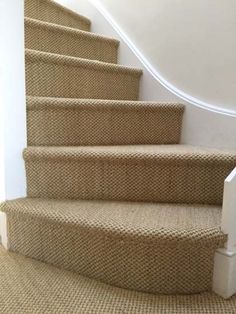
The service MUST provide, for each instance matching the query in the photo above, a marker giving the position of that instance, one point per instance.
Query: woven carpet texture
(111, 192)
(54, 75)
(28, 286)
(74, 122)
(50, 11)
(121, 243)
(54, 38)
(160, 173)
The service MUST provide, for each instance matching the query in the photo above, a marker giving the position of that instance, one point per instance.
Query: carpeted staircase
(111, 192)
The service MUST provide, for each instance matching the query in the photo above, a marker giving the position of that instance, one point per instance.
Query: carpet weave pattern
(159, 173)
(28, 286)
(74, 122)
(54, 38)
(111, 192)
(52, 12)
(54, 75)
(123, 242)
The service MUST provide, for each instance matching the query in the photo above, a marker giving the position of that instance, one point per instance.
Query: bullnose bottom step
(158, 248)
(42, 288)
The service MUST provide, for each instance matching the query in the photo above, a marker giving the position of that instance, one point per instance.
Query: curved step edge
(116, 243)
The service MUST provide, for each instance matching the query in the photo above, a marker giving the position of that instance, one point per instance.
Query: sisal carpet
(69, 41)
(150, 173)
(28, 286)
(105, 148)
(50, 11)
(121, 243)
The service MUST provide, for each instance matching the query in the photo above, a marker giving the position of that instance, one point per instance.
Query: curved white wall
(200, 126)
(191, 44)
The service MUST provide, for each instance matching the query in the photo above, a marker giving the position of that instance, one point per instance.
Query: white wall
(187, 47)
(191, 44)
(12, 99)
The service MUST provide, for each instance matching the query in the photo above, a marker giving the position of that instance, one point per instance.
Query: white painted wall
(191, 44)
(12, 100)
(146, 45)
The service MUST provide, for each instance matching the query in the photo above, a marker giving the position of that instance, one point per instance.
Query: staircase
(112, 194)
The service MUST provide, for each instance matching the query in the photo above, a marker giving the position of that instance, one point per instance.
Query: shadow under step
(63, 40)
(158, 248)
(53, 75)
(155, 173)
(50, 11)
(74, 122)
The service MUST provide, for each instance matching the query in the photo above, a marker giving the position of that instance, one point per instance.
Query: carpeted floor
(28, 286)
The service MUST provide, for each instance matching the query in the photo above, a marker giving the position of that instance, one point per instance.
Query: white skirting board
(224, 279)
(3, 230)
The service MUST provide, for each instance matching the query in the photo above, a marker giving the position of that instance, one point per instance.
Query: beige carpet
(28, 286)
(99, 154)
(121, 243)
(50, 11)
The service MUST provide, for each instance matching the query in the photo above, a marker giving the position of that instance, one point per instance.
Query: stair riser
(49, 12)
(114, 260)
(73, 127)
(114, 179)
(71, 44)
(61, 79)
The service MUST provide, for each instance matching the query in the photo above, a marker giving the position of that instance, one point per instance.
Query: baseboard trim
(224, 278)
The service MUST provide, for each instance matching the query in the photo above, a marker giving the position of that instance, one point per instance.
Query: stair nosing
(50, 103)
(70, 30)
(69, 11)
(101, 153)
(76, 62)
(114, 232)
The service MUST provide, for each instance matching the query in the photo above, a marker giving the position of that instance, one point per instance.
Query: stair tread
(141, 221)
(75, 122)
(71, 12)
(39, 103)
(58, 7)
(74, 61)
(41, 288)
(69, 41)
(69, 30)
(180, 153)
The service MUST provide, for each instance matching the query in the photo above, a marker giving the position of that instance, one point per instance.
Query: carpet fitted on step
(50, 11)
(83, 116)
(159, 173)
(73, 122)
(146, 247)
(28, 286)
(63, 40)
(54, 75)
